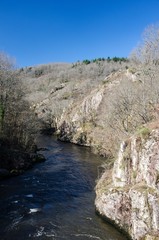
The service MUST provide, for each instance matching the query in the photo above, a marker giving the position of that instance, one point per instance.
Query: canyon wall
(128, 195)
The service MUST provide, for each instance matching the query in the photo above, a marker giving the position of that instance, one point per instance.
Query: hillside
(96, 104)
(58, 92)
(99, 105)
(109, 105)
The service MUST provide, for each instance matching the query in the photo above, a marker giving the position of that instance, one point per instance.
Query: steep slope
(75, 99)
(96, 106)
(128, 195)
(85, 122)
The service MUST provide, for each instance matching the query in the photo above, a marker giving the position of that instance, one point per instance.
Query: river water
(55, 199)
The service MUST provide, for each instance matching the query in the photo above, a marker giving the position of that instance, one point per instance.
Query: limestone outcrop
(85, 121)
(75, 123)
(128, 195)
(78, 106)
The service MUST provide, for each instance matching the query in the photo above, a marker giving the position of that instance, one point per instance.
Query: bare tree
(147, 52)
(16, 119)
(6, 74)
(135, 101)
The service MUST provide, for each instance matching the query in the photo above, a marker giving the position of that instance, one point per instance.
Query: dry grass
(128, 101)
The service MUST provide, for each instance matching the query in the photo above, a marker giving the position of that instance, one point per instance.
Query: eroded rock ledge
(128, 195)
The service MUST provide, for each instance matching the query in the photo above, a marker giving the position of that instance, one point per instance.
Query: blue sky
(44, 31)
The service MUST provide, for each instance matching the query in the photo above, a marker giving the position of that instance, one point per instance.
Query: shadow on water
(55, 199)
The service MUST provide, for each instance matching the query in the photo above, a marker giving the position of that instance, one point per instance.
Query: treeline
(98, 60)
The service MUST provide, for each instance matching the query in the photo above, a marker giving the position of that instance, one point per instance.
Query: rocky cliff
(128, 195)
(75, 100)
(77, 122)
(98, 105)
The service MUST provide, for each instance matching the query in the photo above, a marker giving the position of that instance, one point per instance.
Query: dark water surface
(55, 199)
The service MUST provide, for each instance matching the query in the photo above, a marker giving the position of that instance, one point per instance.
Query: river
(55, 199)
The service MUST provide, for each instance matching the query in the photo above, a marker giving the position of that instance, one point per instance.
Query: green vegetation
(101, 60)
(86, 61)
(144, 132)
(98, 60)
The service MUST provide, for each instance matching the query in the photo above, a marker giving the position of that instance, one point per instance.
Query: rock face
(75, 124)
(79, 107)
(84, 121)
(128, 195)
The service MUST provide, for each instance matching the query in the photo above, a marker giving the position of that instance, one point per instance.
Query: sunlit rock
(131, 199)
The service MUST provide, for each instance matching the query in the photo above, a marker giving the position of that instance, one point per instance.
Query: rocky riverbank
(84, 119)
(15, 160)
(128, 194)
(99, 106)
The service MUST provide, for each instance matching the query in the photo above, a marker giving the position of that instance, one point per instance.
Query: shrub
(144, 132)
(86, 61)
